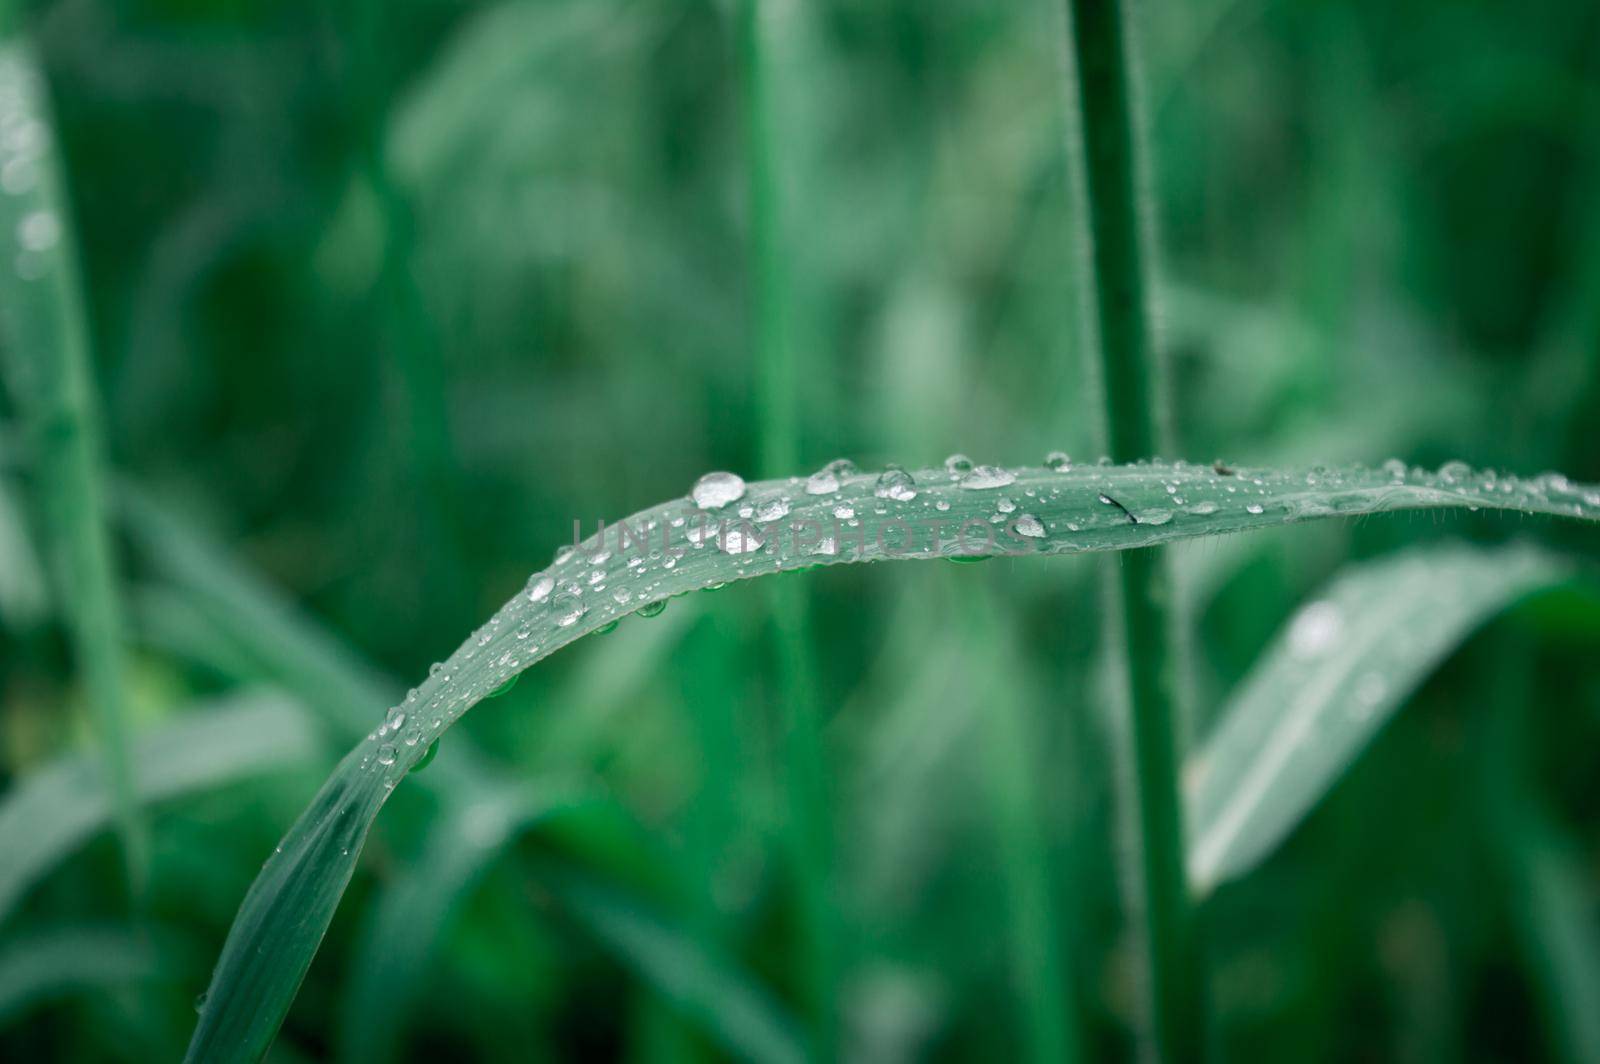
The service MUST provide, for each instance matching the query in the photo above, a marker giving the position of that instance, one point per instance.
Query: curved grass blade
(711, 990)
(1047, 511)
(1340, 669)
(50, 813)
(46, 345)
(48, 964)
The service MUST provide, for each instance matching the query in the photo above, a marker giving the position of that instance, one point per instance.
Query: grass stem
(1135, 427)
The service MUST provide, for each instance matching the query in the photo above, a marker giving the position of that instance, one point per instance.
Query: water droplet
(653, 609)
(1059, 461)
(1455, 472)
(608, 627)
(1153, 517)
(436, 669)
(503, 688)
(985, 477)
(567, 607)
(957, 464)
(200, 1001)
(772, 509)
(896, 484)
(1201, 509)
(427, 757)
(716, 490)
(1030, 526)
(825, 481)
(744, 540)
(1395, 468)
(539, 588)
(1005, 505)
(844, 511)
(386, 754)
(1315, 629)
(39, 230)
(1255, 508)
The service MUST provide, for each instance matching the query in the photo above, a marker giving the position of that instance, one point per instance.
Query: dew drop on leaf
(895, 483)
(716, 490)
(1030, 526)
(986, 477)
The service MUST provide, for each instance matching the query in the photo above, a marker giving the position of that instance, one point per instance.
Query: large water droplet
(567, 607)
(386, 754)
(957, 464)
(896, 484)
(1315, 629)
(825, 481)
(742, 540)
(539, 588)
(716, 490)
(985, 477)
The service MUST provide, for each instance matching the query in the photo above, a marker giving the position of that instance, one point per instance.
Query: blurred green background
(383, 297)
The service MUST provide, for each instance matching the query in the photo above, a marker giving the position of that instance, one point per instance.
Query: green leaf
(44, 336)
(47, 964)
(1339, 670)
(48, 814)
(286, 912)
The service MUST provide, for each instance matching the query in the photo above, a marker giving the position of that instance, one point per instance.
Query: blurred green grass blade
(253, 616)
(48, 814)
(44, 335)
(51, 963)
(725, 1001)
(1554, 919)
(24, 599)
(1340, 669)
(416, 909)
(286, 912)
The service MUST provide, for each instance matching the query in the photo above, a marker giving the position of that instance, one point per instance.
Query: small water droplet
(1201, 509)
(1255, 508)
(772, 509)
(427, 757)
(1059, 461)
(653, 609)
(1030, 526)
(716, 490)
(386, 754)
(503, 688)
(1005, 505)
(608, 627)
(539, 588)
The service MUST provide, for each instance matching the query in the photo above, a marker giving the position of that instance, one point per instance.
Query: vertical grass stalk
(45, 334)
(777, 401)
(1136, 427)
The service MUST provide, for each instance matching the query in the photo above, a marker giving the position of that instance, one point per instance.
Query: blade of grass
(45, 333)
(1339, 670)
(24, 598)
(762, 26)
(51, 963)
(1136, 412)
(49, 813)
(284, 916)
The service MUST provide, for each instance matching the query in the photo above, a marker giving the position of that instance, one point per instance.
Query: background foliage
(382, 302)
